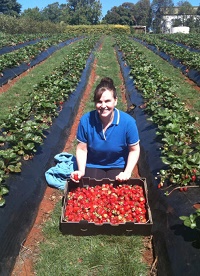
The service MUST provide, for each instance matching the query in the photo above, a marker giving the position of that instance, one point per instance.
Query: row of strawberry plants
(177, 127)
(13, 40)
(23, 131)
(27, 53)
(190, 40)
(188, 58)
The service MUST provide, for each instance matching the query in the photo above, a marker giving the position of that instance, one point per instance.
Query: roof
(175, 10)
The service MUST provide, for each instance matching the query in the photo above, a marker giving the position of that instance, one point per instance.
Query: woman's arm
(81, 158)
(133, 156)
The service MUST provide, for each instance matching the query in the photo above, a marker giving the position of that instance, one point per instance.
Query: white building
(169, 18)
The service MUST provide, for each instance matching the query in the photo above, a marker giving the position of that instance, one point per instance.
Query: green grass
(185, 91)
(18, 93)
(107, 66)
(93, 255)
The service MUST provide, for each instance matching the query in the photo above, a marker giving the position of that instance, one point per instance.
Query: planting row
(177, 128)
(13, 40)
(23, 131)
(178, 137)
(27, 53)
(188, 58)
(9, 49)
(189, 40)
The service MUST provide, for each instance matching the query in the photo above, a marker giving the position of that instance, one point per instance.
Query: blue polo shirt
(109, 149)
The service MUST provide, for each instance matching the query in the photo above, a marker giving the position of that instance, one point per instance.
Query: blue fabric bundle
(57, 175)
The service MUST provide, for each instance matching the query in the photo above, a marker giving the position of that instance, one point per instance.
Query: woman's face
(106, 104)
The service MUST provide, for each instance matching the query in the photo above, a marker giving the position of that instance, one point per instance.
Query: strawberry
(106, 203)
(160, 185)
(194, 178)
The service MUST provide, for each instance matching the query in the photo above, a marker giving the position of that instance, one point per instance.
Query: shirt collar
(115, 119)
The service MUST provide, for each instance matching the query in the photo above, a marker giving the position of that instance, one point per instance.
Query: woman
(108, 141)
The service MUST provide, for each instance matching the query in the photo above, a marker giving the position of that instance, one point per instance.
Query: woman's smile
(106, 104)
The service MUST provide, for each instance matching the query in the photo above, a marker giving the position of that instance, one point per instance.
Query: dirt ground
(30, 247)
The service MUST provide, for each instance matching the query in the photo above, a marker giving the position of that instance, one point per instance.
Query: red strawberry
(194, 178)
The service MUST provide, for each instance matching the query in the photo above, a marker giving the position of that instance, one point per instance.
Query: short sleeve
(132, 132)
(82, 131)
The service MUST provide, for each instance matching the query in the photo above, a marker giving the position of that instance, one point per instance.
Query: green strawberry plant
(191, 59)
(23, 131)
(27, 53)
(192, 221)
(176, 127)
(3, 192)
(14, 39)
(191, 39)
(9, 161)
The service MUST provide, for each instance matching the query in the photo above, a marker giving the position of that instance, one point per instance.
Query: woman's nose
(103, 104)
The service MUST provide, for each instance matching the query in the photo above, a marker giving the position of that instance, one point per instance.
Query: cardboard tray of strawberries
(106, 207)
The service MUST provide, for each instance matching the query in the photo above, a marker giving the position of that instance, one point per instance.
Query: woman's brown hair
(105, 84)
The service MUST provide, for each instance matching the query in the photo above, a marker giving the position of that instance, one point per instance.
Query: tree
(34, 14)
(176, 22)
(197, 21)
(94, 12)
(79, 12)
(124, 15)
(163, 5)
(10, 7)
(198, 10)
(52, 12)
(143, 13)
(158, 9)
(185, 9)
(130, 14)
(112, 17)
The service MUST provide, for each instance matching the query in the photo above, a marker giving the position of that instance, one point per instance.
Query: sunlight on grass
(94, 255)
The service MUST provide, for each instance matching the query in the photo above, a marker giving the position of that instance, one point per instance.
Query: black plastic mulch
(8, 49)
(192, 74)
(17, 216)
(176, 246)
(11, 73)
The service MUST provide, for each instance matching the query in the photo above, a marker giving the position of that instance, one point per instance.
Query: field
(147, 85)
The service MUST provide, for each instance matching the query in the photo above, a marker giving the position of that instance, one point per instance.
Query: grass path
(98, 255)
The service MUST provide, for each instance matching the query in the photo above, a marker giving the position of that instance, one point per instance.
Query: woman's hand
(133, 156)
(123, 176)
(76, 176)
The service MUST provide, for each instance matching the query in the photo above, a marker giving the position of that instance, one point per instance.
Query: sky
(106, 4)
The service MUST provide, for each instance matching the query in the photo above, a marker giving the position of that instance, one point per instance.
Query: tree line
(89, 12)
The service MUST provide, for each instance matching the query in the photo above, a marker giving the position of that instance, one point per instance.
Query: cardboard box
(85, 228)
